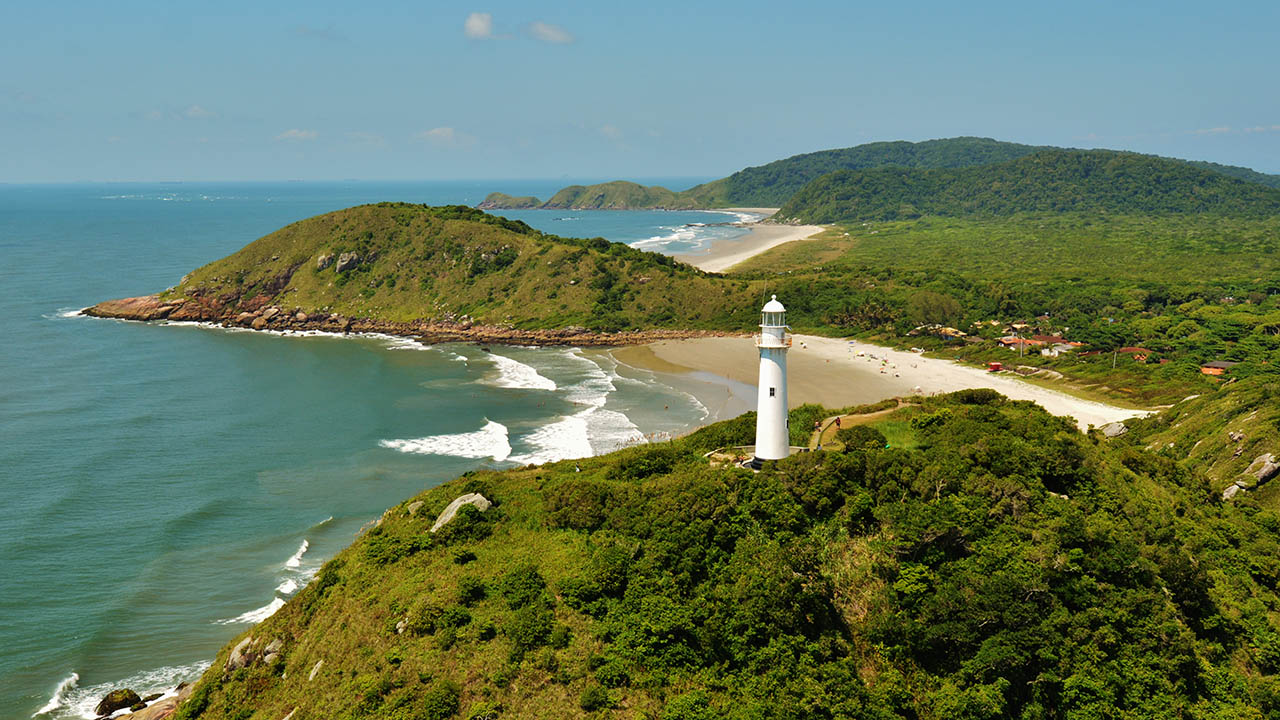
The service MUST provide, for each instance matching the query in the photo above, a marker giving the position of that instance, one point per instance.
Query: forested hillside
(1094, 181)
(773, 184)
(989, 561)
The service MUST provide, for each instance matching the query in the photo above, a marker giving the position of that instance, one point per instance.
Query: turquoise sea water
(164, 485)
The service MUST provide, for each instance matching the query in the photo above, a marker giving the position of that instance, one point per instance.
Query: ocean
(164, 485)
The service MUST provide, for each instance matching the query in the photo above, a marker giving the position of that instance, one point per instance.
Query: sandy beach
(834, 373)
(724, 254)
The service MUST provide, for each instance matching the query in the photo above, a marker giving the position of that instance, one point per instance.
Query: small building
(1217, 367)
(1139, 354)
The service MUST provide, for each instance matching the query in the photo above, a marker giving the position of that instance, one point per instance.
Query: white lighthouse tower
(772, 442)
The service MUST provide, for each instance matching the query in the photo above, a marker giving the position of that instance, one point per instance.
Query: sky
(142, 91)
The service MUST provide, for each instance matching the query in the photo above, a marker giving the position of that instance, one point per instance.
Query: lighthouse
(772, 442)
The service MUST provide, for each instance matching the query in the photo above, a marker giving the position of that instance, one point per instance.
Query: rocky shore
(281, 319)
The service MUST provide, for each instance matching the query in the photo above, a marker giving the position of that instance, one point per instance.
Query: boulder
(414, 507)
(1114, 429)
(270, 658)
(117, 700)
(1235, 436)
(476, 499)
(324, 261)
(241, 655)
(315, 669)
(275, 646)
(346, 261)
(259, 323)
(270, 313)
(1230, 492)
(300, 317)
(1263, 467)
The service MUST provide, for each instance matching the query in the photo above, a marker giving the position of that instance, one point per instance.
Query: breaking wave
(489, 441)
(515, 374)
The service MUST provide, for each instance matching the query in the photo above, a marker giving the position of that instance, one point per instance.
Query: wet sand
(724, 254)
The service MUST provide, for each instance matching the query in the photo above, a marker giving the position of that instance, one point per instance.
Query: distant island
(774, 184)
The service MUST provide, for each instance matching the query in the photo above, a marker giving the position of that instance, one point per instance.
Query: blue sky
(134, 90)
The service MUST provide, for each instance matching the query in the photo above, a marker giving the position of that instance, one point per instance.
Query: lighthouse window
(773, 392)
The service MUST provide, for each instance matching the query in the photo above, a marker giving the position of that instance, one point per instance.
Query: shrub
(690, 706)
(422, 616)
(471, 590)
(441, 701)
(529, 627)
(861, 437)
(593, 698)
(647, 461)
(381, 548)
(578, 504)
(522, 586)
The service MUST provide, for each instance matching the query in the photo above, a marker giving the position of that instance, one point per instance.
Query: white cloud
(478, 26)
(296, 135)
(196, 111)
(1263, 128)
(546, 32)
(1214, 131)
(445, 137)
(611, 131)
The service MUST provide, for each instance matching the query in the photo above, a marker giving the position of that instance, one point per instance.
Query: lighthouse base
(756, 462)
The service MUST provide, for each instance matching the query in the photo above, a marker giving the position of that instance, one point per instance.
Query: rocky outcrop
(346, 261)
(247, 652)
(1114, 429)
(160, 707)
(1260, 471)
(476, 499)
(1263, 467)
(255, 313)
(117, 700)
(324, 261)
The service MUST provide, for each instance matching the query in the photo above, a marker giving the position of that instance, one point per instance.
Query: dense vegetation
(996, 564)
(415, 262)
(1189, 289)
(1096, 181)
(773, 184)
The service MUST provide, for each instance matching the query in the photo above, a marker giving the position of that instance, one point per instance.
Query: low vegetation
(997, 564)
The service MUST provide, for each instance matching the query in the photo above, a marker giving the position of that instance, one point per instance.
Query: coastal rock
(258, 323)
(476, 499)
(1230, 492)
(117, 700)
(275, 646)
(241, 655)
(1263, 467)
(346, 261)
(324, 261)
(300, 317)
(414, 507)
(270, 313)
(146, 307)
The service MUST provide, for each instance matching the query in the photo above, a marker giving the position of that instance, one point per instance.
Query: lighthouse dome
(773, 306)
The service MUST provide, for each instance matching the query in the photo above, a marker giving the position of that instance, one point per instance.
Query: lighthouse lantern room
(772, 441)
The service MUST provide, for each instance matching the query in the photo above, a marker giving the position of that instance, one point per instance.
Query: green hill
(773, 184)
(993, 563)
(396, 262)
(1096, 181)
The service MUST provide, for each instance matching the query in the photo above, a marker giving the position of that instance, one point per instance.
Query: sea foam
(489, 441)
(79, 702)
(59, 697)
(593, 429)
(515, 374)
(296, 559)
(256, 615)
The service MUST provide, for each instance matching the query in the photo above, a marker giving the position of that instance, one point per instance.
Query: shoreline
(147, 308)
(839, 373)
(761, 236)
